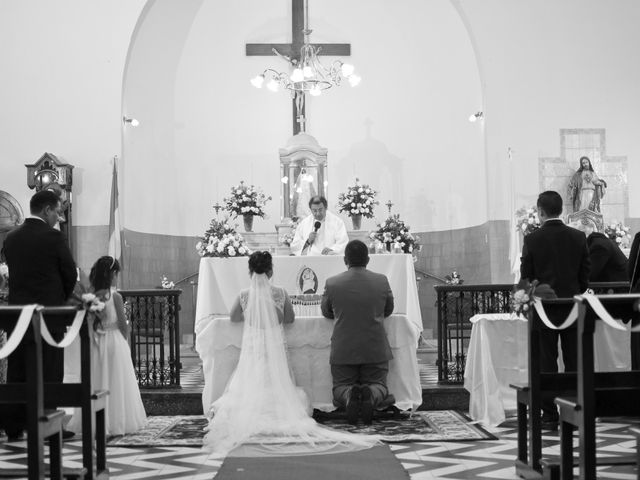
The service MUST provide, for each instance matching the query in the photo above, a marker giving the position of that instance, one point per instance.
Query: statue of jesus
(586, 189)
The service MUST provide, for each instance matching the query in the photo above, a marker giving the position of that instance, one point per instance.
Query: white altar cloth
(221, 279)
(218, 340)
(498, 356)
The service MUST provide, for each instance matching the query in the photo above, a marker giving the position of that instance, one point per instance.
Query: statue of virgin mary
(303, 190)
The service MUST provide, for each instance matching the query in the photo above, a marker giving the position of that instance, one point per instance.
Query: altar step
(187, 400)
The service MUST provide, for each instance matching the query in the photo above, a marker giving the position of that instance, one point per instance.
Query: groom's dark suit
(41, 270)
(557, 255)
(358, 300)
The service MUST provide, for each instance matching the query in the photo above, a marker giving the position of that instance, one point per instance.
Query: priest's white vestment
(331, 234)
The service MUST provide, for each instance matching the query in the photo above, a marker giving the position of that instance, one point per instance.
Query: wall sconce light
(476, 116)
(132, 121)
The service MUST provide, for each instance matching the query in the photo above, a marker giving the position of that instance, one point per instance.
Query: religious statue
(586, 189)
(303, 190)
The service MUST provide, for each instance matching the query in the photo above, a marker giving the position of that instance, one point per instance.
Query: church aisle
(491, 459)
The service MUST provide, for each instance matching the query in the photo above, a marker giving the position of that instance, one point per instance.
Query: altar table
(218, 340)
(221, 279)
(498, 356)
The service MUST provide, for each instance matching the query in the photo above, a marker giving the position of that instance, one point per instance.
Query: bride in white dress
(111, 365)
(261, 410)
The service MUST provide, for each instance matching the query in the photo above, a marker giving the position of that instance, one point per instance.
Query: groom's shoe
(353, 405)
(366, 408)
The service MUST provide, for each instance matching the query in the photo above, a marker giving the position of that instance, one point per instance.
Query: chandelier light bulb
(347, 69)
(307, 71)
(354, 80)
(315, 91)
(257, 81)
(273, 85)
(297, 75)
(285, 179)
(472, 118)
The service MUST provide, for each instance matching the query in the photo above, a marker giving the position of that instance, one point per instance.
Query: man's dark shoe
(66, 434)
(367, 405)
(14, 435)
(353, 405)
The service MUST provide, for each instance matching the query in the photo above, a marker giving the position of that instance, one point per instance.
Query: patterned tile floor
(490, 459)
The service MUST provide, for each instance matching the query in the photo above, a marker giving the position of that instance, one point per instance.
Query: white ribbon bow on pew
(18, 332)
(597, 307)
(71, 335)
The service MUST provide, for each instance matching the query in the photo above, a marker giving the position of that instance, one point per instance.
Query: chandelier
(309, 75)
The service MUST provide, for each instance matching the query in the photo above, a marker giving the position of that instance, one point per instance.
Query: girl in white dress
(261, 411)
(111, 365)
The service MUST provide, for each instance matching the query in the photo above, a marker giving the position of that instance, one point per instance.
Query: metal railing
(155, 336)
(456, 304)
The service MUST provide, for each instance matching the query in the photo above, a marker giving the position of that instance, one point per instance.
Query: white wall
(548, 65)
(61, 67)
(206, 128)
(533, 67)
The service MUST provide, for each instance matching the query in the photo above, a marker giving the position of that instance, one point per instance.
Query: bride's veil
(261, 408)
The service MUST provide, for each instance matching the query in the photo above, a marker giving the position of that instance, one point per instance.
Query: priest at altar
(321, 233)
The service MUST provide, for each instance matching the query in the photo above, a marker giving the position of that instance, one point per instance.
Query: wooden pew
(41, 424)
(636, 432)
(82, 395)
(541, 385)
(598, 394)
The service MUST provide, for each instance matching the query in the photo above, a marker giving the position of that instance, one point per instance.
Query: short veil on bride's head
(261, 262)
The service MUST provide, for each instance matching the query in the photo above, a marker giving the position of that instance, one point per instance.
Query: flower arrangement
(246, 200)
(454, 278)
(619, 233)
(527, 220)
(166, 283)
(222, 240)
(525, 293)
(394, 232)
(92, 302)
(359, 199)
(287, 238)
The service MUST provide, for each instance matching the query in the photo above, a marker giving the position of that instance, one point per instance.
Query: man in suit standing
(556, 254)
(608, 263)
(359, 300)
(41, 270)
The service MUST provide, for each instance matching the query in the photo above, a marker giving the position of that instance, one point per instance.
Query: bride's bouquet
(222, 240)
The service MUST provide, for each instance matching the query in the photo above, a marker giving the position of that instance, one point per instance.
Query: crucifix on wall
(292, 52)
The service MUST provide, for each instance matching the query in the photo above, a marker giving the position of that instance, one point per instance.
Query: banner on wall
(115, 232)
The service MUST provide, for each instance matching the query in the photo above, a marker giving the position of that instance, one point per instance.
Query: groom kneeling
(359, 300)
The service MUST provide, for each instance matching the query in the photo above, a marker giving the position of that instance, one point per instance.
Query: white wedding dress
(112, 370)
(261, 411)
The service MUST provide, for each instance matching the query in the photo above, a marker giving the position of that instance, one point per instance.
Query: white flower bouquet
(619, 233)
(222, 240)
(359, 199)
(527, 220)
(246, 200)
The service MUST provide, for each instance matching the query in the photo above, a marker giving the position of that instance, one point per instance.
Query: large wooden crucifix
(292, 51)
